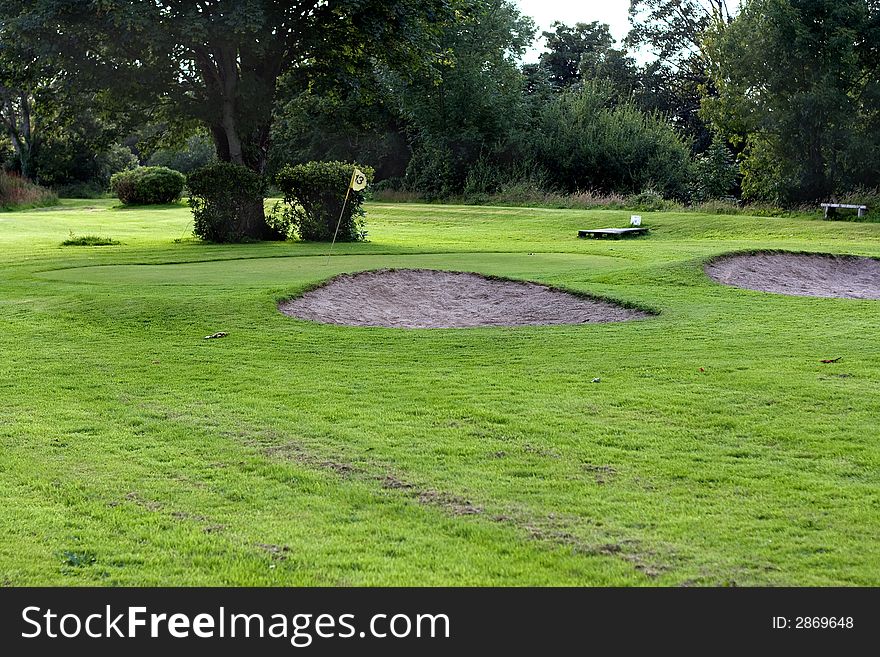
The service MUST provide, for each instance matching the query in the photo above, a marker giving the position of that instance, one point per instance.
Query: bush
(148, 185)
(647, 201)
(714, 173)
(389, 185)
(227, 204)
(719, 206)
(863, 196)
(588, 139)
(116, 158)
(434, 172)
(17, 192)
(314, 193)
(88, 240)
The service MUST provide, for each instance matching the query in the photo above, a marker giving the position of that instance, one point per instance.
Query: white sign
(635, 220)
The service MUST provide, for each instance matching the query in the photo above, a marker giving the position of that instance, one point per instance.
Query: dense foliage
(714, 173)
(808, 125)
(435, 96)
(477, 112)
(588, 141)
(148, 185)
(197, 151)
(314, 194)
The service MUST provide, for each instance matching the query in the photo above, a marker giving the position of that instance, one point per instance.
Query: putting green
(263, 272)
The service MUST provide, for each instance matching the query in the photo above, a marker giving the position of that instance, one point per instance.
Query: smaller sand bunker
(425, 298)
(800, 274)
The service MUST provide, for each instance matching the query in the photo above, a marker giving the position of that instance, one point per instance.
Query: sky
(613, 12)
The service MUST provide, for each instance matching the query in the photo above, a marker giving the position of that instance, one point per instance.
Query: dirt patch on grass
(800, 274)
(295, 452)
(149, 505)
(548, 529)
(426, 298)
(603, 473)
(456, 506)
(453, 505)
(277, 552)
(185, 515)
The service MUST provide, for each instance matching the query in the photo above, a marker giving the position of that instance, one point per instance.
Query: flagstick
(336, 232)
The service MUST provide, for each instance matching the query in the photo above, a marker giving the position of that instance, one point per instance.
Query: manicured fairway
(715, 449)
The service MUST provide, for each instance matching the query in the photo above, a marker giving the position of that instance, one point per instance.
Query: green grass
(716, 449)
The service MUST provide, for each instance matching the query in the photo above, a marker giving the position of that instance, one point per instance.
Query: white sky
(613, 12)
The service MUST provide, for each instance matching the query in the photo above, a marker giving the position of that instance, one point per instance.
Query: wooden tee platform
(613, 233)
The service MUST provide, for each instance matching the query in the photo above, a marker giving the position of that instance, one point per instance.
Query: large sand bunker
(425, 298)
(800, 274)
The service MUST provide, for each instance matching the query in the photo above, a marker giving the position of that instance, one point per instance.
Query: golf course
(704, 443)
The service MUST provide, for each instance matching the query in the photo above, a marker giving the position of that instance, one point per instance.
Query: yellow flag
(358, 180)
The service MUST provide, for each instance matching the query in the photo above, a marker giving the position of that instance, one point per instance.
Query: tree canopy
(218, 62)
(778, 102)
(798, 87)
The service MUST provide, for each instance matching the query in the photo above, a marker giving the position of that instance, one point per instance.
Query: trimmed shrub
(148, 185)
(227, 204)
(313, 195)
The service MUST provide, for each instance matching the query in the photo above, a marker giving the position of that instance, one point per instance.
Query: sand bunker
(801, 274)
(424, 298)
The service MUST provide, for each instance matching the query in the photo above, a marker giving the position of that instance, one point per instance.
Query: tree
(196, 151)
(23, 83)
(586, 51)
(218, 62)
(16, 113)
(798, 83)
(674, 29)
(714, 173)
(473, 108)
(678, 78)
(589, 140)
(59, 133)
(362, 122)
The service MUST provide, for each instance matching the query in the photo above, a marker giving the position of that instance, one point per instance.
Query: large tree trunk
(17, 119)
(221, 74)
(253, 221)
(220, 143)
(228, 71)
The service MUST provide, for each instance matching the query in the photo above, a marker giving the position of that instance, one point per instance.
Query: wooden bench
(613, 233)
(833, 206)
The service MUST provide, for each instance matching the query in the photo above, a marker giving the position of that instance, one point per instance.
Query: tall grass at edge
(17, 192)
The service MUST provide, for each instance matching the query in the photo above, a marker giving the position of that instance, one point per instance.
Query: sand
(424, 298)
(800, 274)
